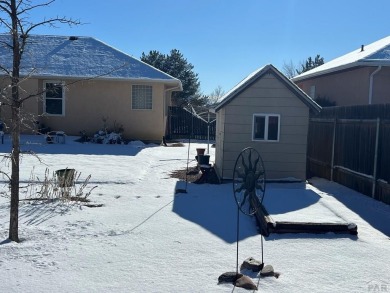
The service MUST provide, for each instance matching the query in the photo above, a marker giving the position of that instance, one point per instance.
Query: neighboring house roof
(374, 54)
(79, 57)
(253, 77)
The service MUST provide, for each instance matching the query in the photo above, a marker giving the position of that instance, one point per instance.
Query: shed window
(54, 98)
(141, 97)
(266, 127)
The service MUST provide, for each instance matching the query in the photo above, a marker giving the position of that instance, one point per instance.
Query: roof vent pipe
(362, 49)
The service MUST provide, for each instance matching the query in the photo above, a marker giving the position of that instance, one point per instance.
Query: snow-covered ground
(146, 238)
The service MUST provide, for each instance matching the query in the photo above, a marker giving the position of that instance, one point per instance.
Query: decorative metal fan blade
(249, 181)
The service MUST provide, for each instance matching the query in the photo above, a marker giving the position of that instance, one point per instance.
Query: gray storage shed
(270, 113)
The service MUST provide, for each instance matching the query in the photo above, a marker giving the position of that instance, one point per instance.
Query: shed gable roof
(256, 75)
(78, 57)
(374, 54)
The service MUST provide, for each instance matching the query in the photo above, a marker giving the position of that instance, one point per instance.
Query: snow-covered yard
(147, 239)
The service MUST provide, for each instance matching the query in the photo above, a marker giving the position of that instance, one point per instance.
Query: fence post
(333, 145)
(192, 122)
(378, 123)
(208, 131)
(169, 123)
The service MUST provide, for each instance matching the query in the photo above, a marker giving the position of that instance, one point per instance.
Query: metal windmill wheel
(249, 181)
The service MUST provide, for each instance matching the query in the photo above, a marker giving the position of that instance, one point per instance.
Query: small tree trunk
(14, 213)
(16, 121)
(19, 28)
(15, 130)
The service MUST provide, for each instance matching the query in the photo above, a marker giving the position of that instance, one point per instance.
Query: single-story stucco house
(83, 84)
(270, 113)
(360, 77)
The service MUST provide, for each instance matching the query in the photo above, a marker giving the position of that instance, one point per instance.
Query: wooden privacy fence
(185, 123)
(354, 152)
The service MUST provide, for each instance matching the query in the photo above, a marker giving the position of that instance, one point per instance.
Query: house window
(54, 98)
(266, 127)
(141, 97)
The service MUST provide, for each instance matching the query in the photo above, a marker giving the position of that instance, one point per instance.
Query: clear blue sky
(226, 40)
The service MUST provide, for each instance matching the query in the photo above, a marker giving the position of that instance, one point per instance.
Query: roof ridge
(375, 44)
(348, 60)
(252, 77)
(50, 35)
(81, 56)
(128, 55)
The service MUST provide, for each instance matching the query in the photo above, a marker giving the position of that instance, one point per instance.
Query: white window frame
(63, 97)
(266, 127)
(142, 87)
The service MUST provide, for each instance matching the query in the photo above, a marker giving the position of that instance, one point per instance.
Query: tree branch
(5, 70)
(2, 172)
(21, 100)
(71, 83)
(6, 24)
(51, 22)
(32, 7)
(4, 8)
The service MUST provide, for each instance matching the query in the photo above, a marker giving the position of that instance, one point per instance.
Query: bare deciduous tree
(14, 17)
(215, 96)
(289, 69)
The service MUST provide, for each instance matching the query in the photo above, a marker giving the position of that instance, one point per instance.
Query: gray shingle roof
(82, 57)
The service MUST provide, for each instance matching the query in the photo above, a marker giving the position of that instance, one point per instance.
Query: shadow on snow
(283, 198)
(213, 207)
(374, 212)
(36, 144)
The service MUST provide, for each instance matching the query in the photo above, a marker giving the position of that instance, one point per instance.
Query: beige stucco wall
(351, 87)
(30, 108)
(282, 159)
(87, 103)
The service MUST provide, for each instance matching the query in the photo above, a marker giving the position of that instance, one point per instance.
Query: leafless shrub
(54, 186)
